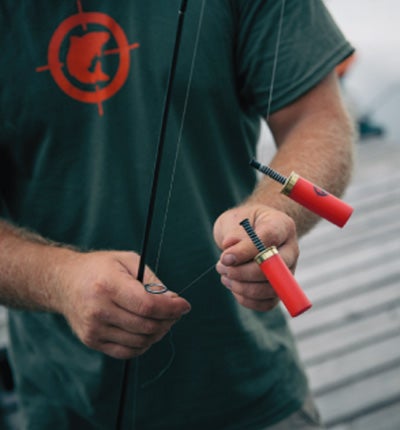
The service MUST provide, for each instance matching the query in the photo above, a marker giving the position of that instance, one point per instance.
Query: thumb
(239, 252)
(227, 230)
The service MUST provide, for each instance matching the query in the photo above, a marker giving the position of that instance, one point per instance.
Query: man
(82, 89)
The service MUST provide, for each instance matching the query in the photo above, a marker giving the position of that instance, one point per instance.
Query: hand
(109, 310)
(239, 272)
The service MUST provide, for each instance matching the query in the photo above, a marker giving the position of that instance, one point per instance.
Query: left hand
(239, 272)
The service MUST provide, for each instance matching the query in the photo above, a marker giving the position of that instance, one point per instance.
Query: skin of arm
(314, 137)
(97, 292)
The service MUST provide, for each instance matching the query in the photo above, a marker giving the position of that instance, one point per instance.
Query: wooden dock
(350, 339)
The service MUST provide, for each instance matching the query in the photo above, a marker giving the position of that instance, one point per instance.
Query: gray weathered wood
(350, 340)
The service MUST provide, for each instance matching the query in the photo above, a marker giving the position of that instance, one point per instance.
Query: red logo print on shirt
(89, 57)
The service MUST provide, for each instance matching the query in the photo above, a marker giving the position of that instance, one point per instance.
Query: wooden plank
(386, 418)
(359, 235)
(375, 203)
(346, 263)
(355, 334)
(355, 283)
(362, 223)
(361, 190)
(348, 341)
(375, 162)
(321, 318)
(341, 370)
(357, 399)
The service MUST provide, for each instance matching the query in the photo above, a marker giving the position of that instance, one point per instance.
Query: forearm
(106, 307)
(318, 145)
(29, 269)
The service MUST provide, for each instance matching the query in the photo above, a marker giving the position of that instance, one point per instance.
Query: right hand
(239, 272)
(109, 309)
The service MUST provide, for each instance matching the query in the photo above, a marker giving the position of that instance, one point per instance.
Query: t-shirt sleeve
(309, 47)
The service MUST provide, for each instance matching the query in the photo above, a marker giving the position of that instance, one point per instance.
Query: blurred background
(350, 339)
(372, 83)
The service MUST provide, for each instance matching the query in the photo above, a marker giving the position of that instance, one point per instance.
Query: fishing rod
(152, 288)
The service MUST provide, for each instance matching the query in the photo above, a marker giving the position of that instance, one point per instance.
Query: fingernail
(186, 311)
(220, 268)
(170, 293)
(226, 282)
(228, 260)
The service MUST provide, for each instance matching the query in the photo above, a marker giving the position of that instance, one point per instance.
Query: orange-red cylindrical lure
(282, 281)
(278, 274)
(309, 195)
(317, 200)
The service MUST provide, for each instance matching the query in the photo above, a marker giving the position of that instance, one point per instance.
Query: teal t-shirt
(82, 85)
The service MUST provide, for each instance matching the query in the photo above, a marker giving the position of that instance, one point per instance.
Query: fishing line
(197, 279)
(171, 184)
(180, 134)
(149, 217)
(166, 367)
(210, 268)
(274, 67)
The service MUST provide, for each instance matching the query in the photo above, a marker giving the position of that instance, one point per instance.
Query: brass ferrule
(290, 183)
(266, 254)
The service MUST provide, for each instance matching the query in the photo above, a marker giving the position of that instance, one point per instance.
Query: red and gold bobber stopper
(278, 274)
(309, 195)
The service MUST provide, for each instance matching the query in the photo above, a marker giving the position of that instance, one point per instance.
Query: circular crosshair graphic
(55, 65)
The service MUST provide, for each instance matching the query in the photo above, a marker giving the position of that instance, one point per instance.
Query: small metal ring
(155, 288)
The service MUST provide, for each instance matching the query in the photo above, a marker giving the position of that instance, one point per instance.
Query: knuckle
(141, 351)
(120, 352)
(89, 338)
(131, 255)
(296, 252)
(229, 272)
(240, 299)
(146, 308)
(273, 237)
(122, 355)
(149, 327)
(255, 293)
(143, 342)
(160, 336)
(175, 313)
(101, 288)
(289, 223)
(101, 314)
(93, 314)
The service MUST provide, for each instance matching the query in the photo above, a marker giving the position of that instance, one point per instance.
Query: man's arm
(314, 137)
(97, 292)
(25, 279)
